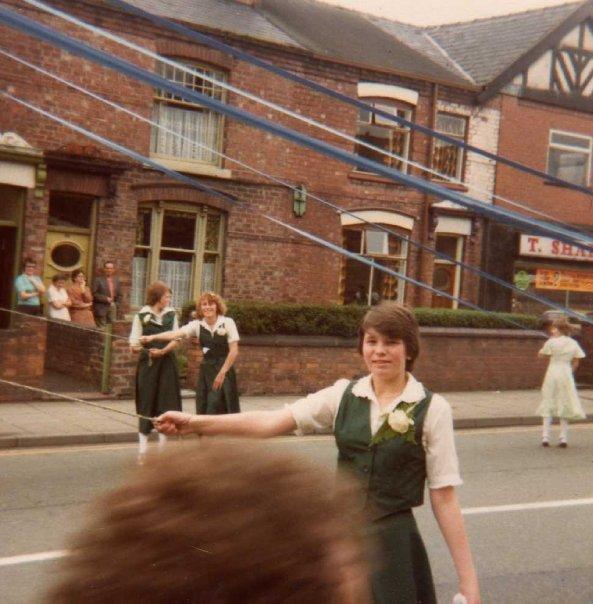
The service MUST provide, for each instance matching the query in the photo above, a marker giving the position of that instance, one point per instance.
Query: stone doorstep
(12, 441)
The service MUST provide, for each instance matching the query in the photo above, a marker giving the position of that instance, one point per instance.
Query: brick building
(73, 204)
(540, 65)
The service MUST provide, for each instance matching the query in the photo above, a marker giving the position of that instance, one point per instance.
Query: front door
(8, 238)
(69, 235)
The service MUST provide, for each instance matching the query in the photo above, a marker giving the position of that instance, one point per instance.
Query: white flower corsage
(398, 423)
(147, 319)
(221, 331)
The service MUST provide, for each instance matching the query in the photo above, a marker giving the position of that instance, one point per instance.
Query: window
(448, 158)
(447, 274)
(569, 157)
(365, 284)
(179, 245)
(381, 132)
(188, 119)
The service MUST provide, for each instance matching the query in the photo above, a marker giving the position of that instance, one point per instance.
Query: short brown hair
(59, 277)
(76, 272)
(563, 326)
(222, 522)
(395, 321)
(29, 260)
(155, 292)
(211, 298)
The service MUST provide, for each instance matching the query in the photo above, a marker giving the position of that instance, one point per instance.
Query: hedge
(264, 318)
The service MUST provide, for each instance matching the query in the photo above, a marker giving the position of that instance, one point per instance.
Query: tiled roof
(223, 15)
(353, 37)
(486, 47)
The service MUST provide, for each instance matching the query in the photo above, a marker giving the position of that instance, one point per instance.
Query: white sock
(142, 443)
(546, 428)
(162, 441)
(563, 430)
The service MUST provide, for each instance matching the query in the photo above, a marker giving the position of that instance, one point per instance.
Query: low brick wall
(75, 352)
(451, 359)
(22, 354)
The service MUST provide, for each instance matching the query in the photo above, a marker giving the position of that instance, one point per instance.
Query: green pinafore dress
(157, 380)
(392, 475)
(226, 399)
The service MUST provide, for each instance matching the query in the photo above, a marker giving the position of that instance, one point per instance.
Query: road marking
(40, 557)
(519, 507)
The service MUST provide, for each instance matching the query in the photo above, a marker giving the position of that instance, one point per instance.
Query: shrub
(265, 318)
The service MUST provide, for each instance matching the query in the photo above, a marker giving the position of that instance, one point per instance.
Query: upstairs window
(447, 158)
(381, 132)
(191, 120)
(569, 157)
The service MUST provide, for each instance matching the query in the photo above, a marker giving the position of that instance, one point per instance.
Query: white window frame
(588, 152)
(163, 98)
(461, 157)
(458, 258)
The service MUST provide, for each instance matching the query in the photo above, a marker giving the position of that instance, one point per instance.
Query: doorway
(8, 239)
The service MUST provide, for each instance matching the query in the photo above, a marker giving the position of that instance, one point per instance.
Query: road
(529, 512)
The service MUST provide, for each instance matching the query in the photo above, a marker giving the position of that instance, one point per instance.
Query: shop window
(191, 120)
(381, 132)
(447, 159)
(364, 284)
(447, 273)
(569, 157)
(179, 245)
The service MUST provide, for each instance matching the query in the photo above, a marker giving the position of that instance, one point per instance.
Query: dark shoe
(563, 445)
(545, 443)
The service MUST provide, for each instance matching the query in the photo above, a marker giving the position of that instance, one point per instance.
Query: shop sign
(545, 247)
(575, 281)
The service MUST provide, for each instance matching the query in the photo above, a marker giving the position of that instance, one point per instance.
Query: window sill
(368, 177)
(551, 183)
(191, 167)
(452, 186)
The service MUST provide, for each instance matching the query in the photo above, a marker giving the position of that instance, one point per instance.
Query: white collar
(412, 393)
(219, 320)
(165, 310)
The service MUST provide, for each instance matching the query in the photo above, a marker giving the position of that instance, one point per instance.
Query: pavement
(61, 422)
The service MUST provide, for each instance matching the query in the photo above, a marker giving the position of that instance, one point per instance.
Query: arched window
(180, 244)
(363, 284)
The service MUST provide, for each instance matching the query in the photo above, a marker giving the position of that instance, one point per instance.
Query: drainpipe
(106, 369)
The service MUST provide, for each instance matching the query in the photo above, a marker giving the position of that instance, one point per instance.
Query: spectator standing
(106, 295)
(58, 300)
(29, 289)
(82, 300)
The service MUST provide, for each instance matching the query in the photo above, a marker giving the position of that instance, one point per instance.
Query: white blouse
(136, 332)
(317, 413)
(55, 294)
(223, 324)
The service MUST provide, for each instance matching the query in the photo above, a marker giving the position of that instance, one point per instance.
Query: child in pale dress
(559, 394)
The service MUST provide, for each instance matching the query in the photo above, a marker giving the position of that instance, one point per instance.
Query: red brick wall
(451, 360)
(262, 261)
(22, 353)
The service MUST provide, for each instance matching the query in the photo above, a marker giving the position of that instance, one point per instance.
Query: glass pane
(582, 142)
(193, 81)
(353, 240)
(179, 230)
(139, 276)
(70, 212)
(446, 245)
(397, 246)
(66, 256)
(209, 273)
(451, 124)
(447, 159)
(194, 125)
(175, 269)
(385, 286)
(375, 242)
(143, 225)
(569, 165)
(356, 282)
(212, 232)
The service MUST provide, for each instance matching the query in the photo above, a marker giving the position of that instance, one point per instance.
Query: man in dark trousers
(106, 295)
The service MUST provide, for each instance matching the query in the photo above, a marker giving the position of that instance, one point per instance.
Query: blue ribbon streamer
(513, 219)
(240, 54)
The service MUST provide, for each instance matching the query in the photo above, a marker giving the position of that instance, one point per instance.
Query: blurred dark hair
(156, 291)
(223, 522)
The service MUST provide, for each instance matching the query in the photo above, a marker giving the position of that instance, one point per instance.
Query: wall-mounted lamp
(299, 201)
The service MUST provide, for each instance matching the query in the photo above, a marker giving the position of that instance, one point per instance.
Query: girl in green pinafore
(393, 435)
(157, 380)
(216, 390)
